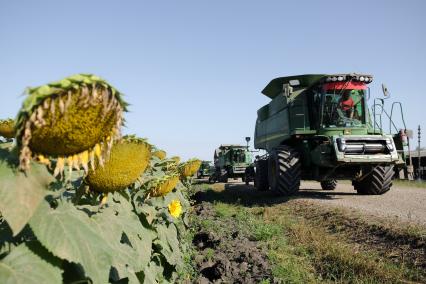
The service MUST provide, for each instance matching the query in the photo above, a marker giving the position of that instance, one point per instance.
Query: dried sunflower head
(72, 120)
(159, 154)
(162, 186)
(176, 159)
(7, 128)
(128, 160)
(189, 168)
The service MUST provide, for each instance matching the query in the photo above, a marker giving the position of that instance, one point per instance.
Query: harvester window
(343, 107)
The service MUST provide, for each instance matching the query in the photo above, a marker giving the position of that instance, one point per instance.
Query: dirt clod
(227, 256)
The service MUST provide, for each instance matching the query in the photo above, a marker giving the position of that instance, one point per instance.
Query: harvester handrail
(402, 117)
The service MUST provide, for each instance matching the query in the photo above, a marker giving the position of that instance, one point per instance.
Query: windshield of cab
(343, 104)
(239, 156)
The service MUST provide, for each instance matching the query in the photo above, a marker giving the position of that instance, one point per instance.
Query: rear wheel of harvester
(284, 170)
(329, 184)
(261, 175)
(377, 182)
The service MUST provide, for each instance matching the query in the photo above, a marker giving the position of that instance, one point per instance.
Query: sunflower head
(7, 128)
(163, 185)
(128, 160)
(175, 208)
(69, 119)
(159, 154)
(189, 168)
(176, 159)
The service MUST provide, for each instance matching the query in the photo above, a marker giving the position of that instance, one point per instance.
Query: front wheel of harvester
(329, 184)
(284, 170)
(261, 175)
(378, 181)
(224, 178)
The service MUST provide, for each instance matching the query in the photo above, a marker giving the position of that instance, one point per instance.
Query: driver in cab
(348, 102)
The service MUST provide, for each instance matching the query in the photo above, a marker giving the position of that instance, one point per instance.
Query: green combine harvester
(205, 169)
(318, 127)
(230, 161)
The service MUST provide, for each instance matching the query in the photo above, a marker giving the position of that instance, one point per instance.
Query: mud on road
(228, 253)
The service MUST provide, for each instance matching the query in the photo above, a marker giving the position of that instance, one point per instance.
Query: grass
(301, 251)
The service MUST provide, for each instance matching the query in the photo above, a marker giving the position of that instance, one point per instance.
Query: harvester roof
(224, 147)
(305, 81)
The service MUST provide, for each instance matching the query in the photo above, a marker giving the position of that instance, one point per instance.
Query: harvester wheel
(329, 184)
(284, 170)
(261, 175)
(377, 182)
(224, 178)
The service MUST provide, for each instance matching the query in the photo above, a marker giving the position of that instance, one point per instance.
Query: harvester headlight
(362, 78)
(334, 79)
(341, 144)
(389, 144)
(340, 78)
(367, 79)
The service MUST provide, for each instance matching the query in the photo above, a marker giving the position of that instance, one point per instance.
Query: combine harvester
(205, 169)
(319, 127)
(230, 161)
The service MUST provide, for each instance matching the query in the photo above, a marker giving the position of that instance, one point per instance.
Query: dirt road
(401, 203)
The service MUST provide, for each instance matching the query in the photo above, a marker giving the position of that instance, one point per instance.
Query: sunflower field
(79, 203)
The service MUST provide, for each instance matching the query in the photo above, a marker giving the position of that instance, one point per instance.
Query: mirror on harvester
(385, 91)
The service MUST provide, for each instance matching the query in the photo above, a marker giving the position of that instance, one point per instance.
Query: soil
(370, 223)
(227, 256)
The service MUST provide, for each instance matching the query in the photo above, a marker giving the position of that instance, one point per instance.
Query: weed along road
(247, 236)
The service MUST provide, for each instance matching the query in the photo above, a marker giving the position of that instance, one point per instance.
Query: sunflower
(73, 121)
(7, 128)
(161, 154)
(175, 208)
(163, 185)
(189, 168)
(128, 160)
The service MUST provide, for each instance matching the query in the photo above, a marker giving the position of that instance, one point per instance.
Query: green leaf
(70, 234)
(23, 266)
(168, 240)
(118, 219)
(152, 272)
(20, 194)
(148, 211)
(140, 237)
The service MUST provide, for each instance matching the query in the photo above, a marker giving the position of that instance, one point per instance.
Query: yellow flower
(175, 208)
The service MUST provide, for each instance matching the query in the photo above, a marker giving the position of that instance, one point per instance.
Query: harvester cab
(319, 127)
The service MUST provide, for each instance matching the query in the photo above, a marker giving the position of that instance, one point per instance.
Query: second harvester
(230, 161)
(319, 127)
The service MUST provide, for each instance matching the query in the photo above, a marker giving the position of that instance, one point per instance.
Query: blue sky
(193, 70)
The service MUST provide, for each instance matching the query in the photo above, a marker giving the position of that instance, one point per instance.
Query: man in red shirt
(347, 105)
